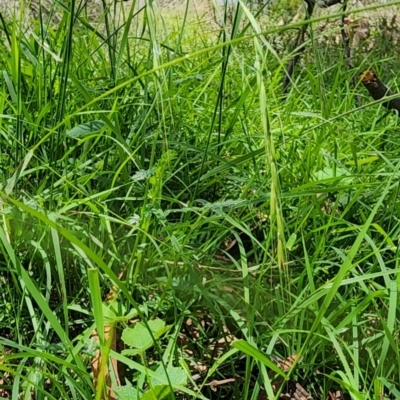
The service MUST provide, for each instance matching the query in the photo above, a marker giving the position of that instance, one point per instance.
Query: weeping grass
(132, 148)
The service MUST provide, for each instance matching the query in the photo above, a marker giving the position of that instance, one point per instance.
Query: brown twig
(347, 49)
(378, 90)
(299, 47)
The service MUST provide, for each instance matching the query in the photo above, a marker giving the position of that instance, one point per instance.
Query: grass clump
(173, 227)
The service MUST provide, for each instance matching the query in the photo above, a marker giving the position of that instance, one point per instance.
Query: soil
(95, 8)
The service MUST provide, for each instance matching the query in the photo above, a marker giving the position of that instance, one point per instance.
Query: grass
(155, 184)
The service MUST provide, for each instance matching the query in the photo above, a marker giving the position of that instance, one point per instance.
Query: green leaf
(86, 129)
(157, 393)
(176, 375)
(139, 337)
(115, 311)
(131, 352)
(133, 313)
(329, 173)
(111, 310)
(291, 241)
(127, 392)
(95, 294)
(251, 351)
(148, 372)
(10, 87)
(391, 387)
(18, 173)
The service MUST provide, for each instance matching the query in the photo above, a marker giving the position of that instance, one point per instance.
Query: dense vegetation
(153, 178)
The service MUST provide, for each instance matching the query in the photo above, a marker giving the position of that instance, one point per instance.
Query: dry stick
(299, 47)
(378, 90)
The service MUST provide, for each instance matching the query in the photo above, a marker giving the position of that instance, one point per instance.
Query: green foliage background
(139, 144)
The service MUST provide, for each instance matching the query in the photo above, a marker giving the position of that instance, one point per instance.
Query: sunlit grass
(132, 149)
